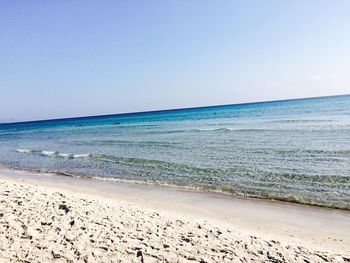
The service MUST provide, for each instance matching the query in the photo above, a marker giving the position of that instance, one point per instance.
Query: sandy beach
(50, 220)
(175, 131)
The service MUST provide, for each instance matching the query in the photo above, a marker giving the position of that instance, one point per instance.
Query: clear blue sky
(73, 58)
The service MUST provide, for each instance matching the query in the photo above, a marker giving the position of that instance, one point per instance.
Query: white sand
(42, 222)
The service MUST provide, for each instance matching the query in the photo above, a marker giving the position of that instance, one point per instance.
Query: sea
(292, 150)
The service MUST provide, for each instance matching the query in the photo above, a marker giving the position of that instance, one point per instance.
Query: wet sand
(54, 218)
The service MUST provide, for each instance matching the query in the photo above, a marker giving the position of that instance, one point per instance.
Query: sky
(77, 58)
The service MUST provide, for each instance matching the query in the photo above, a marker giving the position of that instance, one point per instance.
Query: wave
(214, 129)
(23, 150)
(300, 121)
(254, 130)
(229, 130)
(258, 130)
(53, 153)
(343, 152)
(124, 142)
(303, 152)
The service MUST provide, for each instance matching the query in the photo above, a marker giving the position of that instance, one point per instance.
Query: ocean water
(295, 150)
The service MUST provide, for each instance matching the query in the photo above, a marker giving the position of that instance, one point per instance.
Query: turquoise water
(296, 150)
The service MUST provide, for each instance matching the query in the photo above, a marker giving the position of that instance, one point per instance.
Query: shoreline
(312, 228)
(199, 188)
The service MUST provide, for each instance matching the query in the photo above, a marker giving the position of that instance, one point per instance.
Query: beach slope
(42, 224)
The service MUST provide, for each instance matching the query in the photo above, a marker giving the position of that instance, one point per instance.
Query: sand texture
(41, 224)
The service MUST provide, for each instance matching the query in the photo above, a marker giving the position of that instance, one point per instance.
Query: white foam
(81, 155)
(49, 153)
(54, 153)
(23, 150)
(66, 155)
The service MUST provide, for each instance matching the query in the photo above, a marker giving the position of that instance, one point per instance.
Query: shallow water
(296, 150)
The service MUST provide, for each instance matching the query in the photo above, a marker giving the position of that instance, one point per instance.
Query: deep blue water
(295, 150)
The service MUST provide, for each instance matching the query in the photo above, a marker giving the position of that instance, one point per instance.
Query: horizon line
(166, 110)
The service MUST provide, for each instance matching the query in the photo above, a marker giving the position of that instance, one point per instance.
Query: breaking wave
(53, 153)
